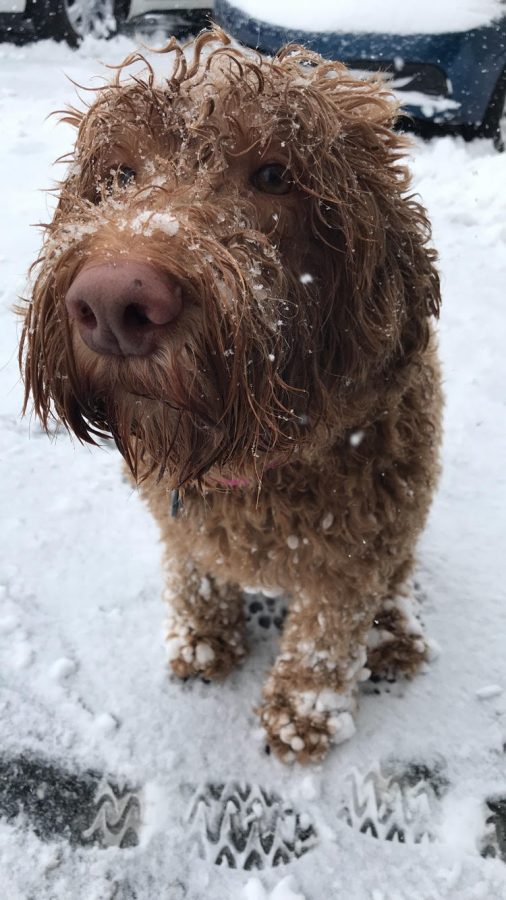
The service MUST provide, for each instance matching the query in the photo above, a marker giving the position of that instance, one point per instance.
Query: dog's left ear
(386, 280)
(384, 286)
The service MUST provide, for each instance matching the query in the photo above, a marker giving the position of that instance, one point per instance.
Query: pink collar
(234, 482)
(175, 501)
(241, 481)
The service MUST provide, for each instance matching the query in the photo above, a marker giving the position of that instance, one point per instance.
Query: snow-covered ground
(85, 700)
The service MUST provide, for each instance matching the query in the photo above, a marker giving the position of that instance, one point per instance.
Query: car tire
(73, 20)
(500, 132)
(494, 124)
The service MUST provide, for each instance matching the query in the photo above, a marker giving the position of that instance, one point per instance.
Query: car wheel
(500, 135)
(73, 20)
(494, 125)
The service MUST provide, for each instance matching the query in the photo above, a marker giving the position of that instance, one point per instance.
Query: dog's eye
(272, 179)
(120, 176)
(125, 175)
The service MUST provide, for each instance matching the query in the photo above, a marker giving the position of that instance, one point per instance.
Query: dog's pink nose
(122, 308)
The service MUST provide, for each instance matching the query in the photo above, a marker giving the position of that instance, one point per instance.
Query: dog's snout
(122, 308)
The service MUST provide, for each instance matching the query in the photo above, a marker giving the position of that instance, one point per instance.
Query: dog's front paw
(301, 725)
(209, 656)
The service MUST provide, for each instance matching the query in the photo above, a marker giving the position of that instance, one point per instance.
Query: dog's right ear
(46, 357)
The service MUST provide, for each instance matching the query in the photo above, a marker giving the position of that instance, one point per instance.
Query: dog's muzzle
(123, 308)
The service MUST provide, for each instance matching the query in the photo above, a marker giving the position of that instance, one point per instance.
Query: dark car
(454, 81)
(72, 20)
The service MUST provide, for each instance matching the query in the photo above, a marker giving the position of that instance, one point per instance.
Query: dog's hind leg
(206, 622)
(396, 643)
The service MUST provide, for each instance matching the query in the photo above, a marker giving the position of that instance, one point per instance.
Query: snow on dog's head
(233, 261)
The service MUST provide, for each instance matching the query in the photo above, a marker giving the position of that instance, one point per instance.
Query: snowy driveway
(134, 786)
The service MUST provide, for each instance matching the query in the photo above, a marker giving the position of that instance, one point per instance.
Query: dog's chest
(237, 538)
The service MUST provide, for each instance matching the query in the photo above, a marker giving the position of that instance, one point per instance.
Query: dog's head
(233, 260)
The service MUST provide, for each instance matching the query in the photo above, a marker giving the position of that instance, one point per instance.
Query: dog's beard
(165, 414)
(179, 421)
(154, 437)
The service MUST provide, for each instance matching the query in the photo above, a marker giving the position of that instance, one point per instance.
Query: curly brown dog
(237, 287)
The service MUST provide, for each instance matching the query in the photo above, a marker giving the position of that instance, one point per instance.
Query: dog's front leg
(206, 622)
(310, 695)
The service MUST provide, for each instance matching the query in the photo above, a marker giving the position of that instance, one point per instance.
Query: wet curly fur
(296, 402)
